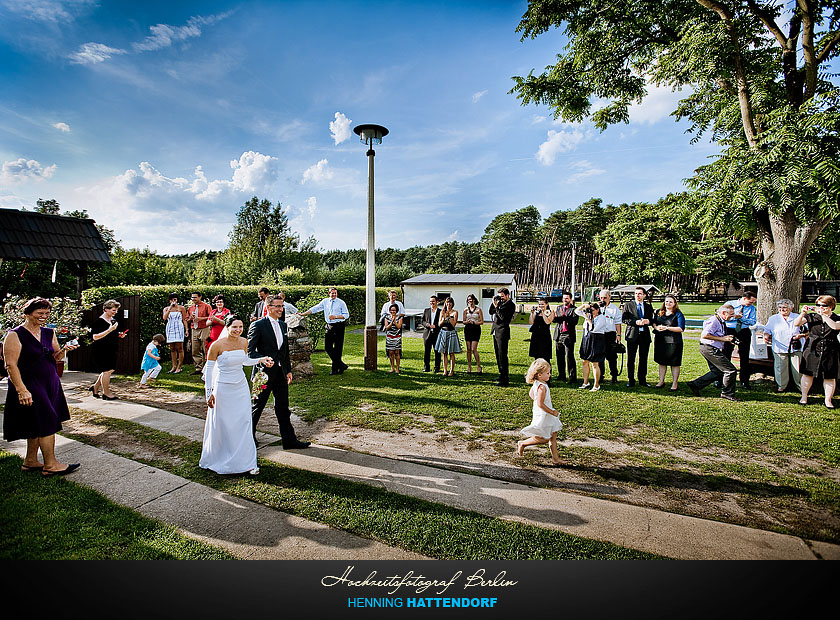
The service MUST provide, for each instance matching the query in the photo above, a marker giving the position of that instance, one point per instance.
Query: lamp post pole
(370, 135)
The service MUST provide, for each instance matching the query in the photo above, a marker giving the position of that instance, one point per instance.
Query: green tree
(507, 241)
(757, 79)
(262, 242)
(642, 245)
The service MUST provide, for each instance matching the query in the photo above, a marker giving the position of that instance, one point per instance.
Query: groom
(268, 337)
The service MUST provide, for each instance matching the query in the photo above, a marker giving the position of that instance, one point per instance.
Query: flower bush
(65, 317)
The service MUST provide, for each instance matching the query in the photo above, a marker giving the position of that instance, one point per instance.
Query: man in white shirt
(613, 334)
(287, 307)
(335, 316)
(392, 299)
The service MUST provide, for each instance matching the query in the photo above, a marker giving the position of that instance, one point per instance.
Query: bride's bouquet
(259, 382)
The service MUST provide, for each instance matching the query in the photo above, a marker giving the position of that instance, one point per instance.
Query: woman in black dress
(473, 318)
(668, 326)
(35, 405)
(540, 321)
(105, 342)
(821, 353)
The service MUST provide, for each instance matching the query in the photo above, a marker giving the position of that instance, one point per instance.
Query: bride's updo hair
(231, 318)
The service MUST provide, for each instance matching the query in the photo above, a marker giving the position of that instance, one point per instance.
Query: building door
(487, 301)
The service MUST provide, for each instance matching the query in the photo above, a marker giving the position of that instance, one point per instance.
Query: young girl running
(545, 421)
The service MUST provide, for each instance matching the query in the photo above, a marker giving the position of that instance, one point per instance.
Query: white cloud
(20, 170)
(164, 35)
(312, 206)
(657, 105)
(175, 214)
(49, 11)
(340, 128)
(94, 53)
(478, 95)
(62, 126)
(318, 173)
(558, 142)
(453, 236)
(537, 119)
(586, 170)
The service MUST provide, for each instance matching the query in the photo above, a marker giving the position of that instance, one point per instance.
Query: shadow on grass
(660, 476)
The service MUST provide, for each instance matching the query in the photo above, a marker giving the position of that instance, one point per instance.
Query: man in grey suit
(268, 337)
(259, 308)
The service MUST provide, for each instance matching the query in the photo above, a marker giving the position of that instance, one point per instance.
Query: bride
(228, 446)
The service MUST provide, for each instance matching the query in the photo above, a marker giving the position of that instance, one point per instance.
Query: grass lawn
(763, 423)
(54, 519)
(428, 528)
(765, 448)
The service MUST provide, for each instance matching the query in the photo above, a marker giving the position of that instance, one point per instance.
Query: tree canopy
(756, 79)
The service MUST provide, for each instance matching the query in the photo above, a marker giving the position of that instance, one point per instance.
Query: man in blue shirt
(712, 340)
(743, 318)
(335, 315)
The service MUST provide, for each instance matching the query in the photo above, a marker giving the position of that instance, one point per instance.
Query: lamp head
(370, 134)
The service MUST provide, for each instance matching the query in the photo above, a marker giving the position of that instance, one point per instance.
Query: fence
(128, 358)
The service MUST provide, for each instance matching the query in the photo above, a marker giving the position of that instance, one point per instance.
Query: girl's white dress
(228, 446)
(542, 423)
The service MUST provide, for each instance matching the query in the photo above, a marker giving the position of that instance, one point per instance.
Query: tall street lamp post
(370, 135)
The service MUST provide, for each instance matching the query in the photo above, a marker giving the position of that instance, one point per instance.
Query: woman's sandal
(31, 468)
(70, 469)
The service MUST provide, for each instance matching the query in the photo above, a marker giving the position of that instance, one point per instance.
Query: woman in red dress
(216, 321)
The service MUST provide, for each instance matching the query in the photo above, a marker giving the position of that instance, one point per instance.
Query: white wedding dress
(228, 446)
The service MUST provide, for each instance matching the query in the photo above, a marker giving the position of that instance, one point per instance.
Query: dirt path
(692, 482)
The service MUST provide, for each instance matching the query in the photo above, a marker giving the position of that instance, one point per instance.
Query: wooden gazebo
(76, 242)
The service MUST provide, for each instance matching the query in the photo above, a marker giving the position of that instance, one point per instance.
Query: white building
(417, 290)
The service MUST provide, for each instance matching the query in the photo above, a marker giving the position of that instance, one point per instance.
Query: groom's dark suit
(263, 342)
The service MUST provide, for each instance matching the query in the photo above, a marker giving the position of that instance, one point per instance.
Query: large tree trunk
(784, 245)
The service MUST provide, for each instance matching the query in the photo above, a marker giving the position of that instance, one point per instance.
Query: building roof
(26, 235)
(461, 278)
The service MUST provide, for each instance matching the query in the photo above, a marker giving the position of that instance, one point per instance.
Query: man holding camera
(564, 338)
(638, 317)
(743, 318)
(502, 311)
(612, 337)
(712, 340)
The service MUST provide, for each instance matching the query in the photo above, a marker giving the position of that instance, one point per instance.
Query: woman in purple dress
(35, 404)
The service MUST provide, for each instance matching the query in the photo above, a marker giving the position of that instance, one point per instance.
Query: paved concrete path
(655, 531)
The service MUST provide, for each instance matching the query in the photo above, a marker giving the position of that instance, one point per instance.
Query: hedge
(240, 300)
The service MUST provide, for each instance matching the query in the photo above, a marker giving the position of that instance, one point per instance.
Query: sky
(162, 119)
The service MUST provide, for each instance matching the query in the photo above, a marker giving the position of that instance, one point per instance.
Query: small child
(151, 360)
(545, 421)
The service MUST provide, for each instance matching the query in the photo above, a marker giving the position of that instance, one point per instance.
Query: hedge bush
(240, 300)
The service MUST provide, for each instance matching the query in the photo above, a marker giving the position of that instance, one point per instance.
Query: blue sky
(163, 118)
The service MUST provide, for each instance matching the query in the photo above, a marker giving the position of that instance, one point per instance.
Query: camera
(735, 341)
(602, 304)
(497, 298)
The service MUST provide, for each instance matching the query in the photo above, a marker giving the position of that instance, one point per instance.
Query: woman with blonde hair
(545, 421)
(821, 353)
